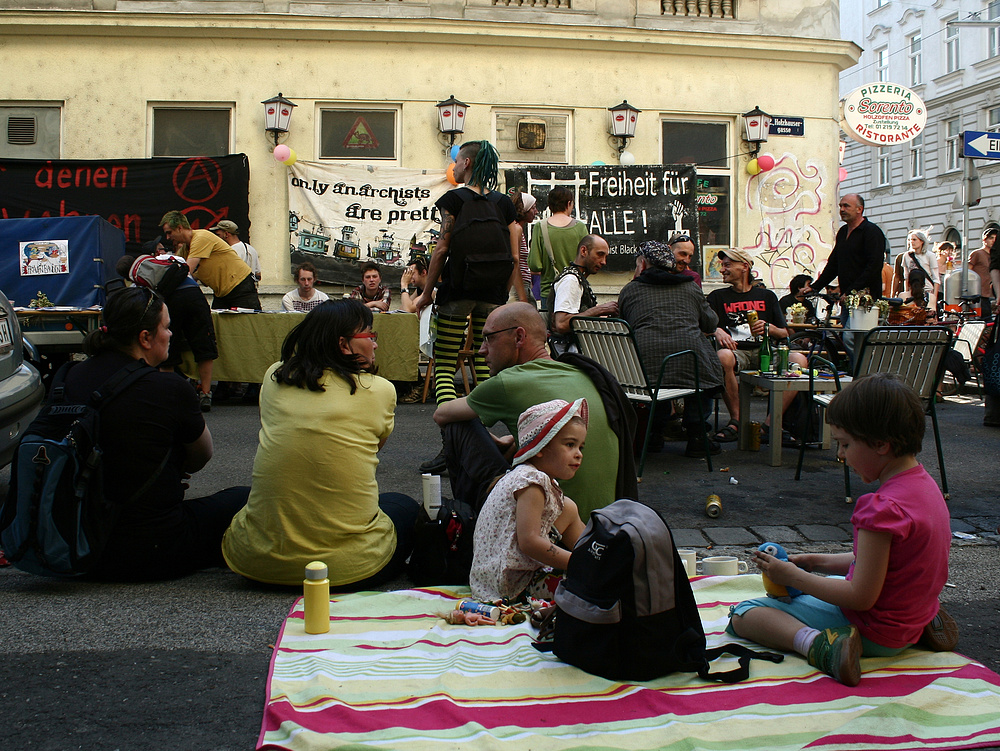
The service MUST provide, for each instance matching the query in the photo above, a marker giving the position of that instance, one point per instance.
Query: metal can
(754, 436)
(470, 606)
(713, 506)
(782, 359)
(751, 317)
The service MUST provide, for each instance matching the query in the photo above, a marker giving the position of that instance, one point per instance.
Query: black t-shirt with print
(732, 306)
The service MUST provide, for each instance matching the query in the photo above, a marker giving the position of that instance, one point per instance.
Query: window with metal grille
(21, 130)
(29, 130)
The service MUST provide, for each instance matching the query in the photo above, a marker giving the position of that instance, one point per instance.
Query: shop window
(704, 145)
(191, 131)
(358, 134)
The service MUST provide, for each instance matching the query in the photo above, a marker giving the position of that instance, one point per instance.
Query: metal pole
(965, 227)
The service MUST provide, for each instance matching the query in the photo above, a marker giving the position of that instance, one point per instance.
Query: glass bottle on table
(766, 355)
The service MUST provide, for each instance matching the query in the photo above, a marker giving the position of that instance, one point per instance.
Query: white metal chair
(966, 342)
(915, 354)
(609, 341)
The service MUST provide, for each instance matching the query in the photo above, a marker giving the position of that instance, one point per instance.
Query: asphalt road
(182, 664)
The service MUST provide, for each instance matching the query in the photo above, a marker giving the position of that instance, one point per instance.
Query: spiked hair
(485, 163)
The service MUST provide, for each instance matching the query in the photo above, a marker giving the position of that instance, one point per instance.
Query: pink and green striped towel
(391, 675)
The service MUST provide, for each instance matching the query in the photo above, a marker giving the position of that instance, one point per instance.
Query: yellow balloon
(753, 168)
(292, 158)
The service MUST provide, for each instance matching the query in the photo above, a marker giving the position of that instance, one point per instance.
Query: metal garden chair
(915, 354)
(610, 342)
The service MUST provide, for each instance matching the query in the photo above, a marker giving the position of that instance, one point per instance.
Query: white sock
(804, 639)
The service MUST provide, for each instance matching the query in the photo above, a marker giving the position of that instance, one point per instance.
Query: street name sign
(980, 145)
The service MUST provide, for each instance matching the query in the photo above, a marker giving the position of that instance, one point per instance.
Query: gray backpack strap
(548, 243)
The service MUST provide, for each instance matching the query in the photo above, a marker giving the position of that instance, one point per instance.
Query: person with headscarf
(527, 209)
(668, 313)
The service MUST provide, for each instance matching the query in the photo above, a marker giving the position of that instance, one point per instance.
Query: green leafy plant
(797, 309)
(41, 301)
(862, 300)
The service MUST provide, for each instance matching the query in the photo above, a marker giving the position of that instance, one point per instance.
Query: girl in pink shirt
(902, 533)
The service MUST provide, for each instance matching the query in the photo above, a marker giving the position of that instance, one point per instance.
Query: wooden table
(249, 343)
(776, 387)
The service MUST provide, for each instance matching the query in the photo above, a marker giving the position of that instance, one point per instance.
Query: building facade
(956, 71)
(145, 78)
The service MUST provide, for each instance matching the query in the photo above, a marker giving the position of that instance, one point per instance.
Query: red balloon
(765, 162)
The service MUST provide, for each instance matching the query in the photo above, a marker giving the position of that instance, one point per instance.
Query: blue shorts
(812, 612)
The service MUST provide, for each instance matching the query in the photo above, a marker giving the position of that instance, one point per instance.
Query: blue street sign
(980, 145)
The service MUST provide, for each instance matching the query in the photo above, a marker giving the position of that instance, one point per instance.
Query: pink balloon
(281, 153)
(765, 162)
(842, 175)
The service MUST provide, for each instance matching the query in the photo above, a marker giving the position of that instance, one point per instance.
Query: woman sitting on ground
(153, 436)
(324, 416)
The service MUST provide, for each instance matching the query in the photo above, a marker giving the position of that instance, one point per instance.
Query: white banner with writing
(341, 215)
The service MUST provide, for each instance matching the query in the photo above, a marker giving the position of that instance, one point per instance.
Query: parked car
(21, 389)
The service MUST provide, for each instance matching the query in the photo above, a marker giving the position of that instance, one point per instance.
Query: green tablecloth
(249, 343)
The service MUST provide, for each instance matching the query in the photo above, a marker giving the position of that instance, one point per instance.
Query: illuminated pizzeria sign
(882, 114)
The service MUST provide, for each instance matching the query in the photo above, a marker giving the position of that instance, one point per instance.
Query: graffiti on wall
(789, 200)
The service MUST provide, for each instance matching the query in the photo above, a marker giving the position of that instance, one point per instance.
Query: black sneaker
(696, 448)
(436, 466)
(205, 400)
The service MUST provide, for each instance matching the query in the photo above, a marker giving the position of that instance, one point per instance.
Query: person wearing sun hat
(528, 526)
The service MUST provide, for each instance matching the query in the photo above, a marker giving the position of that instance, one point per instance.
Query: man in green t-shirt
(523, 374)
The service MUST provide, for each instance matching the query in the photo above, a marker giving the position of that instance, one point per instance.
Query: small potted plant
(862, 310)
(798, 312)
(883, 311)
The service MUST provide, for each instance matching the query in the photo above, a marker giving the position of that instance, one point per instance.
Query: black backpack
(442, 547)
(479, 257)
(56, 519)
(625, 610)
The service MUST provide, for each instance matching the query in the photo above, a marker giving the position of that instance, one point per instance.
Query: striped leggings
(449, 341)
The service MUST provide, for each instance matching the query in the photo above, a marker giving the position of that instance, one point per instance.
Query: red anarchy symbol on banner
(196, 175)
(214, 216)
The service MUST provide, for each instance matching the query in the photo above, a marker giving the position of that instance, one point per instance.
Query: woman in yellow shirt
(324, 416)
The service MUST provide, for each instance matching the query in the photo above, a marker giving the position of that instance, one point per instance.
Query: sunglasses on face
(373, 335)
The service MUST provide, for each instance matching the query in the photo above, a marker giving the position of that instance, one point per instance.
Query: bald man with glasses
(523, 374)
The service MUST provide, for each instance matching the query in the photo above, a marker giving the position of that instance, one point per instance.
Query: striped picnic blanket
(392, 675)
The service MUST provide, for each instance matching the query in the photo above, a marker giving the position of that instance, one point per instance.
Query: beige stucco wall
(107, 68)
